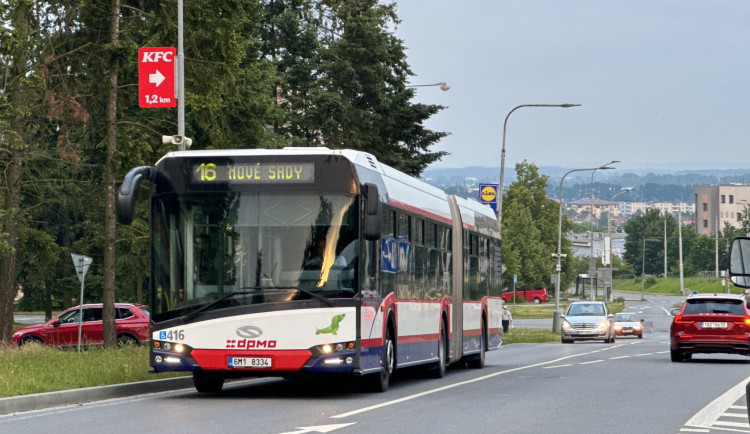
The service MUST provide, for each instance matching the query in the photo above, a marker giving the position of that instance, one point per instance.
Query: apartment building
(717, 205)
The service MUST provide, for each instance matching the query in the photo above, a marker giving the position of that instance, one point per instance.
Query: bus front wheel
(208, 382)
(381, 381)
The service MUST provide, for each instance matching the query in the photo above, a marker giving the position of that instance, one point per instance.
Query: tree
(530, 230)
(344, 79)
(22, 35)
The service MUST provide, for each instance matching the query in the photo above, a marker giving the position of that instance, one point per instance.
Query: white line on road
(451, 386)
(556, 366)
(711, 413)
(732, 424)
(619, 357)
(593, 361)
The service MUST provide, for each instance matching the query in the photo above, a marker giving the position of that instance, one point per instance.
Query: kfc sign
(156, 77)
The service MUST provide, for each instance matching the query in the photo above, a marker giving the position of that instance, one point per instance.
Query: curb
(40, 401)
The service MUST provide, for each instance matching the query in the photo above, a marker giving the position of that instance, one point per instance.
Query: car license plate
(713, 325)
(250, 362)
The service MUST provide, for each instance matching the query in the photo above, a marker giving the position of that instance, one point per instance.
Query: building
(718, 205)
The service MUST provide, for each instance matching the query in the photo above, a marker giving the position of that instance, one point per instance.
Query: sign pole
(180, 77)
(82, 264)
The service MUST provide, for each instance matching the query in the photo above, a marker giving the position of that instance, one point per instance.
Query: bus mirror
(739, 262)
(372, 212)
(125, 203)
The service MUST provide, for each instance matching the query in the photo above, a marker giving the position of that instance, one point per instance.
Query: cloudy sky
(662, 83)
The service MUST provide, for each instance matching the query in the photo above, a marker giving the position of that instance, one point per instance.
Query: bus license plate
(250, 362)
(714, 325)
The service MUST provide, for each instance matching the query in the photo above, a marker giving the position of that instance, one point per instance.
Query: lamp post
(643, 263)
(592, 259)
(558, 267)
(502, 155)
(443, 85)
(609, 231)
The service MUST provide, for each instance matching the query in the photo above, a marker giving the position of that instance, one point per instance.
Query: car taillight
(745, 321)
(679, 320)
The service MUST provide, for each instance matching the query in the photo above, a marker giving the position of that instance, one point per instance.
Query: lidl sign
(488, 195)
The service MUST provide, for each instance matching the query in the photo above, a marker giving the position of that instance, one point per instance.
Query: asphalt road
(627, 387)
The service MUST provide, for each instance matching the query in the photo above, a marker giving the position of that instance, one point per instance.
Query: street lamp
(609, 231)
(558, 267)
(502, 155)
(443, 85)
(592, 259)
(643, 263)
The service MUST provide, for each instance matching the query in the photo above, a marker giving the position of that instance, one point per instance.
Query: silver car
(587, 320)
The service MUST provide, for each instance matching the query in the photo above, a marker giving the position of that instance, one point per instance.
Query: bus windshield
(269, 247)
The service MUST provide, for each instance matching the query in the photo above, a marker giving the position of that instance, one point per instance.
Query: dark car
(710, 323)
(628, 324)
(131, 322)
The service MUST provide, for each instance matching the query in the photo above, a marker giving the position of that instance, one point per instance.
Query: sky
(662, 83)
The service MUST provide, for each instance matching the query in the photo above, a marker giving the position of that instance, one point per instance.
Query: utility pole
(665, 245)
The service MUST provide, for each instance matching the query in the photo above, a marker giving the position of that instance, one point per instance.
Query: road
(627, 387)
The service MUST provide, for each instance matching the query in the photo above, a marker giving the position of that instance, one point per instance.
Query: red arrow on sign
(156, 66)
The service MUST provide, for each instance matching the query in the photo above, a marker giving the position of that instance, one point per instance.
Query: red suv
(710, 323)
(131, 322)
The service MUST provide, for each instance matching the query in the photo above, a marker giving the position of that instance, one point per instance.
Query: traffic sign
(82, 264)
(156, 77)
(488, 195)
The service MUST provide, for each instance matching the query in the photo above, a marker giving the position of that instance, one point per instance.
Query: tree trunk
(14, 144)
(12, 201)
(108, 298)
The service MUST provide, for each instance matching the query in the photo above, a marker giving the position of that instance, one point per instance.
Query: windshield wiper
(305, 291)
(193, 314)
(254, 290)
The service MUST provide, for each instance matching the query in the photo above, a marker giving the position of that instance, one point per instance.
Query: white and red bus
(311, 261)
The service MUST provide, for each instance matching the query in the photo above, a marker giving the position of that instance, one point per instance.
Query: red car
(539, 295)
(132, 323)
(710, 323)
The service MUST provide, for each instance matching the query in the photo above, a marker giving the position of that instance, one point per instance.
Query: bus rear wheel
(476, 361)
(208, 382)
(438, 368)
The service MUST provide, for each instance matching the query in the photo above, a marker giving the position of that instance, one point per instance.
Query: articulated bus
(311, 261)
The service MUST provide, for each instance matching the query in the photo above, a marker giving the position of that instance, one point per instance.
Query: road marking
(708, 416)
(643, 354)
(619, 357)
(732, 424)
(451, 386)
(593, 361)
(694, 430)
(319, 428)
(556, 366)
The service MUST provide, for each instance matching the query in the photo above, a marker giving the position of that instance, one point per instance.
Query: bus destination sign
(265, 173)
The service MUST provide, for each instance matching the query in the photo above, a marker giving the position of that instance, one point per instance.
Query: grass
(671, 285)
(530, 336)
(541, 311)
(36, 368)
